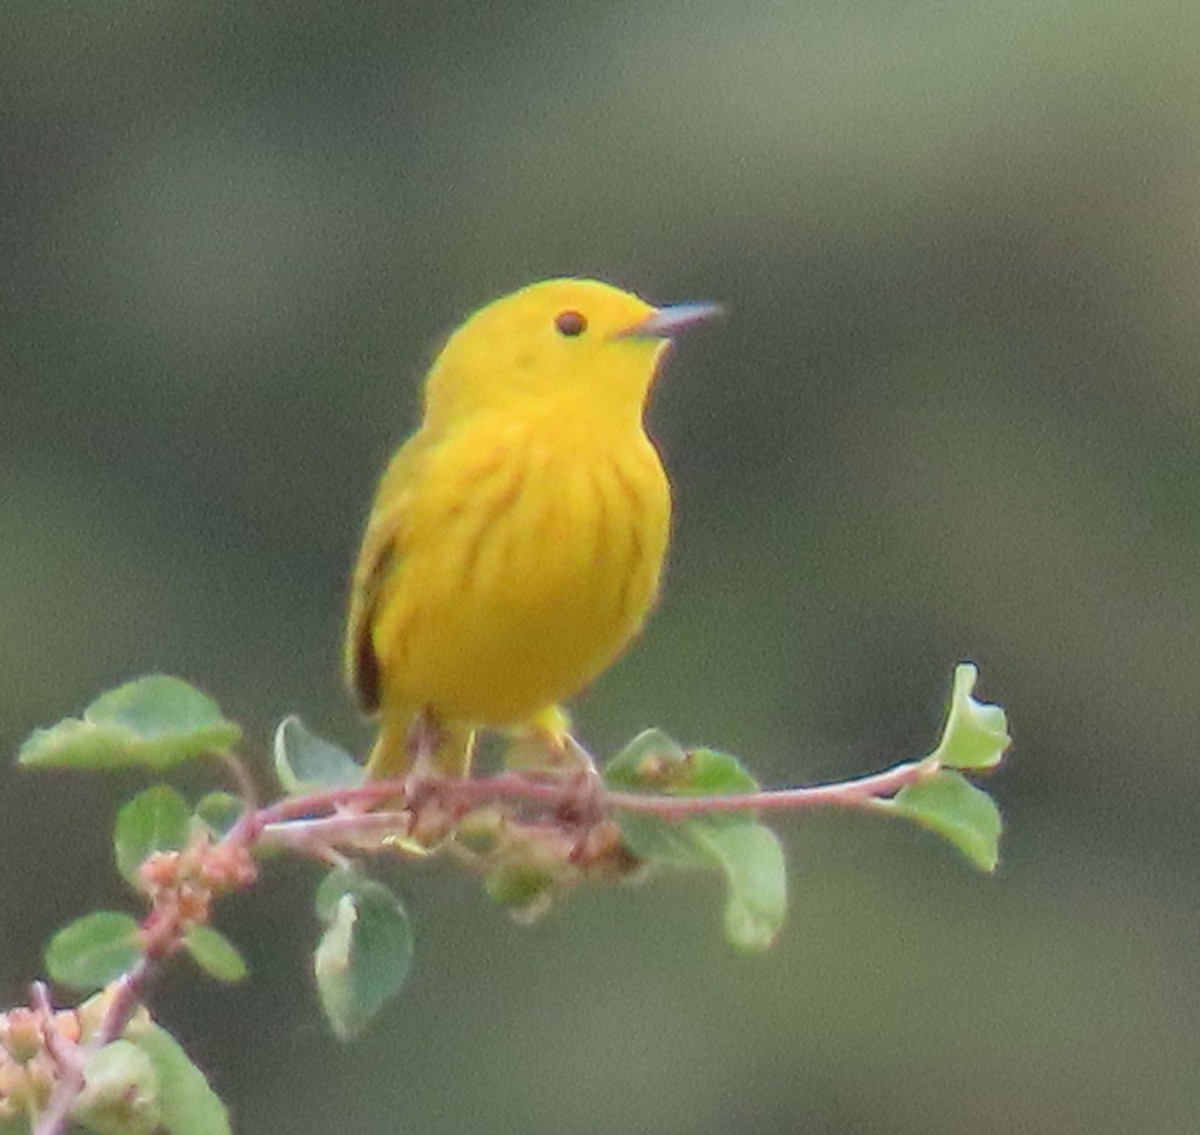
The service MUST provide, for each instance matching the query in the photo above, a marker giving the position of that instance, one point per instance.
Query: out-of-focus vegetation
(954, 412)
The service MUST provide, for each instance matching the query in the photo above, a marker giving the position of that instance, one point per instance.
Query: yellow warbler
(516, 540)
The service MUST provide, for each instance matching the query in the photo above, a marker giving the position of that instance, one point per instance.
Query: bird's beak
(667, 322)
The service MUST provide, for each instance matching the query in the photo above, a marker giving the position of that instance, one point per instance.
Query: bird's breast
(536, 559)
(567, 535)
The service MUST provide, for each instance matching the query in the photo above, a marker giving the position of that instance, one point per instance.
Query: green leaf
(746, 852)
(669, 843)
(154, 722)
(364, 955)
(756, 876)
(976, 733)
(189, 1105)
(948, 804)
(120, 1094)
(215, 954)
(306, 763)
(652, 760)
(155, 820)
(649, 758)
(709, 773)
(94, 950)
(219, 811)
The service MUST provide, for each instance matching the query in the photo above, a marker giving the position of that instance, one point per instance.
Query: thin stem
(64, 1053)
(124, 1002)
(247, 827)
(242, 778)
(315, 835)
(318, 803)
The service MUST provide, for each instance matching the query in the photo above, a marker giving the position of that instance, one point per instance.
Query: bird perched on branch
(517, 538)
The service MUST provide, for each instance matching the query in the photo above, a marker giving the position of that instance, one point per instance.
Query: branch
(862, 792)
(314, 822)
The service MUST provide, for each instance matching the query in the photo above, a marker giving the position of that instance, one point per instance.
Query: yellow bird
(516, 540)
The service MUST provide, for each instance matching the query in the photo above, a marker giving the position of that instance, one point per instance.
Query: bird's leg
(439, 753)
(546, 747)
(584, 782)
(425, 737)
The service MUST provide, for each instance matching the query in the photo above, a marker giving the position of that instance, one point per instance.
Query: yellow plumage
(516, 540)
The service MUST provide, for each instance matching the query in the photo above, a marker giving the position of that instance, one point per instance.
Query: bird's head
(565, 342)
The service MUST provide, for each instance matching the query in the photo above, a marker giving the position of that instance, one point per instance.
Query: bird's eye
(570, 323)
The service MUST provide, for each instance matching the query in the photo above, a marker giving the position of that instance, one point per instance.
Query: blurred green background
(952, 414)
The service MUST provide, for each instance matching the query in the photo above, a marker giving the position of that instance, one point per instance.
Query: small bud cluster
(182, 884)
(35, 1044)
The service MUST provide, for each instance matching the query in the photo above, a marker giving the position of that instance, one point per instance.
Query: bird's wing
(379, 559)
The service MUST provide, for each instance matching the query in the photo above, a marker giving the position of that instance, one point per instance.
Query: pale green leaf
(976, 733)
(156, 722)
(189, 1105)
(670, 843)
(307, 763)
(756, 876)
(654, 762)
(364, 955)
(120, 1094)
(647, 760)
(948, 804)
(746, 852)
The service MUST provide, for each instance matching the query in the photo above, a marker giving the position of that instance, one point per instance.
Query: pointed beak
(667, 322)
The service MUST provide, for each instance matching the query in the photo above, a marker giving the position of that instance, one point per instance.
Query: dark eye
(570, 323)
